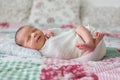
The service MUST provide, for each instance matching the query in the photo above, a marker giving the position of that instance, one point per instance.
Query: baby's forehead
(23, 31)
(27, 28)
(21, 34)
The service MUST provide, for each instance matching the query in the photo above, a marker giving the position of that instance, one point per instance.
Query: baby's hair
(16, 41)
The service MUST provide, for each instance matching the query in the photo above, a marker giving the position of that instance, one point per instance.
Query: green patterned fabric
(20, 68)
(111, 53)
(13, 70)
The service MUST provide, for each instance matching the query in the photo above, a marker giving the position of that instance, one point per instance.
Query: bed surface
(15, 67)
(17, 63)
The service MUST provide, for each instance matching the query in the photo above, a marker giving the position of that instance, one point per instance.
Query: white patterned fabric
(101, 12)
(10, 48)
(55, 12)
(15, 11)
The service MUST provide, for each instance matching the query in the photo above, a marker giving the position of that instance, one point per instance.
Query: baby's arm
(86, 36)
(49, 34)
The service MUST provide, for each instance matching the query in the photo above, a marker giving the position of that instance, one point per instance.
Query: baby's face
(31, 37)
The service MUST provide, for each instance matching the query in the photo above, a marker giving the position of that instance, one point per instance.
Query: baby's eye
(34, 30)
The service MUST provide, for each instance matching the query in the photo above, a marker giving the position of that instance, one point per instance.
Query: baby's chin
(41, 45)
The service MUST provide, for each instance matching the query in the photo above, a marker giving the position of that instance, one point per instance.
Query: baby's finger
(51, 34)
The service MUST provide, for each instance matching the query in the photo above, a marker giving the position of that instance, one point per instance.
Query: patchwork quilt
(12, 70)
(14, 67)
(108, 69)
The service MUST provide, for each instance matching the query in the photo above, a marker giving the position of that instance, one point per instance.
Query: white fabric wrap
(97, 54)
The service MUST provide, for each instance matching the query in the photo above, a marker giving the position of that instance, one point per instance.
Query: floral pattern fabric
(15, 11)
(75, 70)
(55, 12)
(100, 13)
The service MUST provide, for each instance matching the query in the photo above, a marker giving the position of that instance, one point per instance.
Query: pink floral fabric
(55, 11)
(7, 30)
(7, 25)
(71, 70)
(4, 25)
(115, 35)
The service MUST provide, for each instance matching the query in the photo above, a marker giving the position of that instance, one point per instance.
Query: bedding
(23, 67)
(91, 70)
(18, 63)
(100, 13)
(55, 12)
(19, 68)
(17, 11)
(12, 70)
(12, 49)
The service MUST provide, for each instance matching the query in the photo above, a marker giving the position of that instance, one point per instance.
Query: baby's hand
(49, 34)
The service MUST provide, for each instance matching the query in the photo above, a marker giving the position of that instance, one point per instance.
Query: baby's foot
(99, 37)
(84, 47)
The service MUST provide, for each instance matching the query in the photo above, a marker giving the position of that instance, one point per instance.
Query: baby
(57, 42)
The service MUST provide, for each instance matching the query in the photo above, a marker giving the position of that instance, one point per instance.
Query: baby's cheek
(33, 47)
(31, 44)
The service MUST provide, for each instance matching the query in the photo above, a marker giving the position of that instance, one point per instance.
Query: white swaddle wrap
(97, 54)
(63, 46)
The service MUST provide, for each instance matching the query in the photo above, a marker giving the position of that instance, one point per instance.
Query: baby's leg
(85, 35)
(99, 37)
(84, 47)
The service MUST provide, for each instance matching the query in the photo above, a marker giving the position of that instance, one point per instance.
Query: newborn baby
(61, 43)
